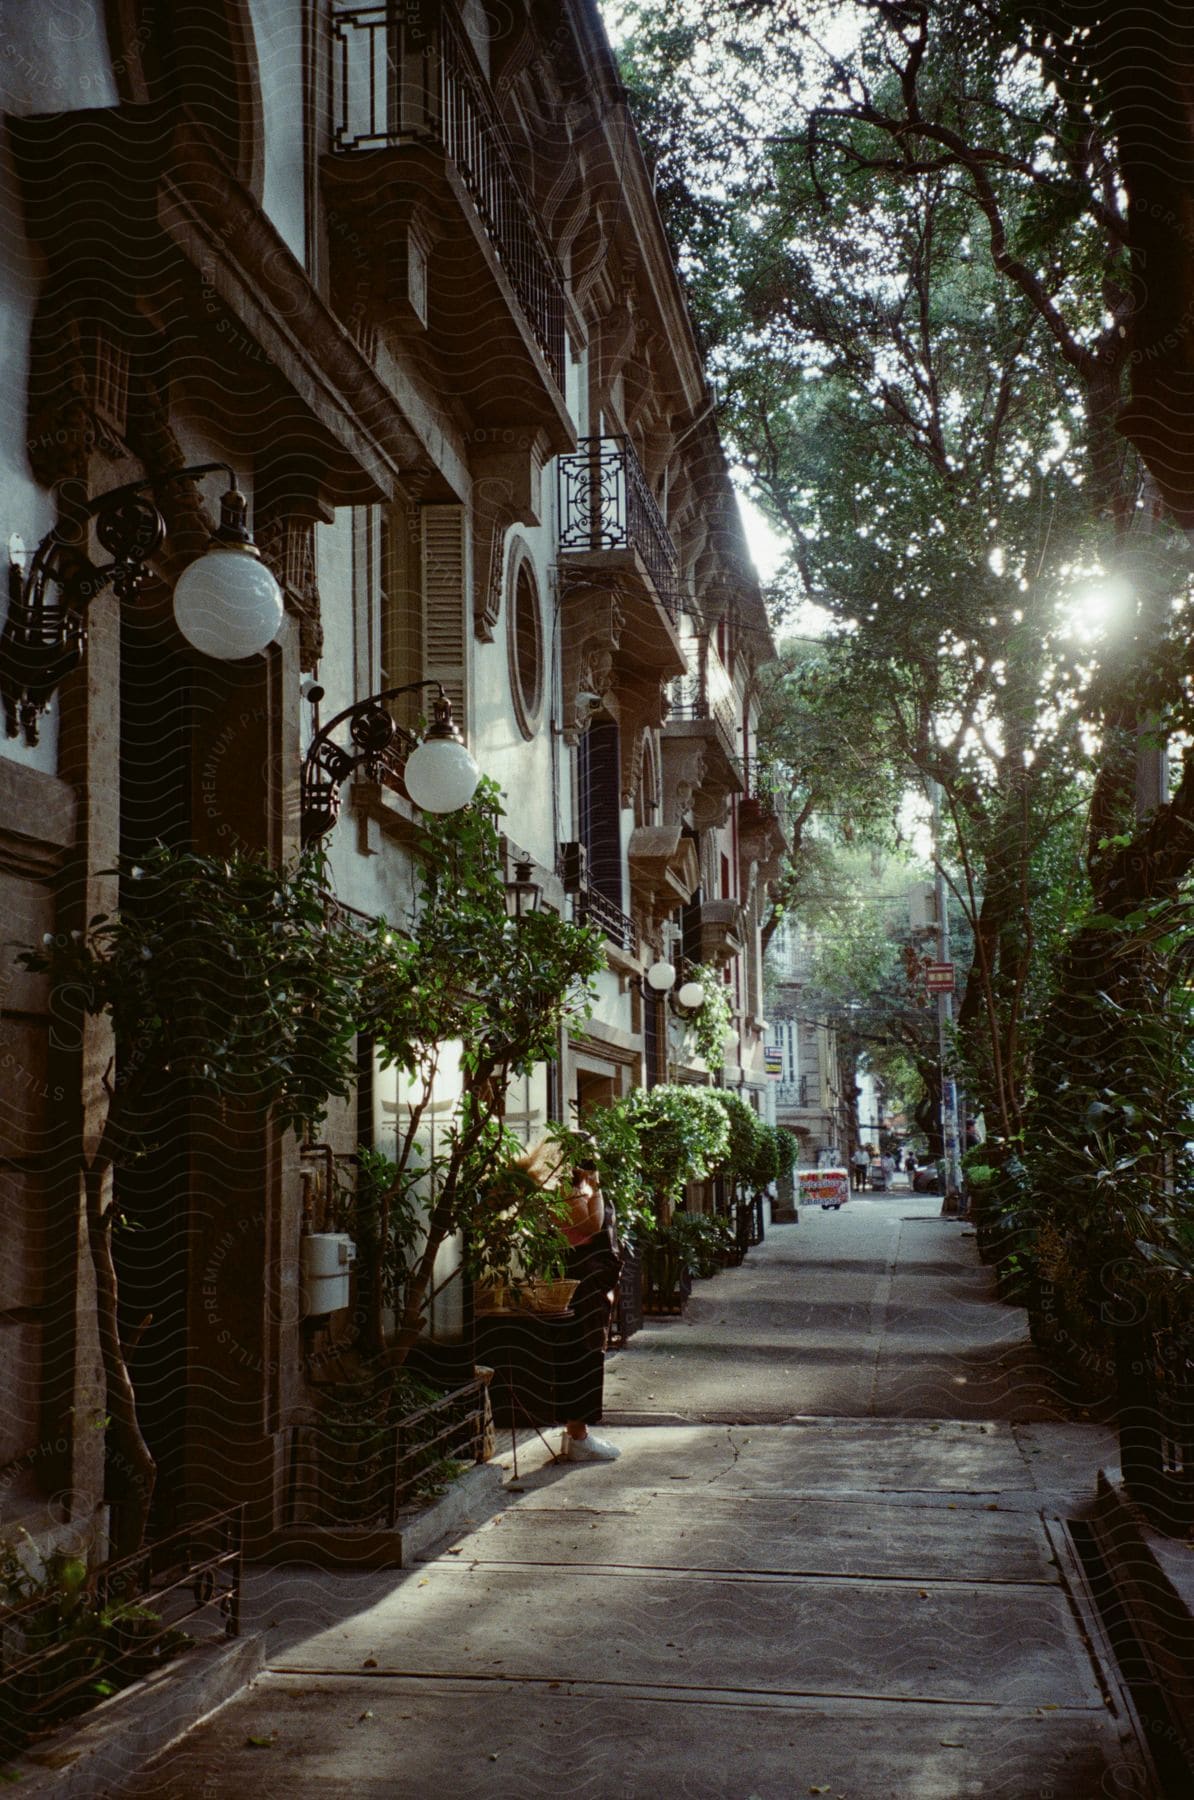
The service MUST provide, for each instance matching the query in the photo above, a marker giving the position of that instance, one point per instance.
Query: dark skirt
(580, 1374)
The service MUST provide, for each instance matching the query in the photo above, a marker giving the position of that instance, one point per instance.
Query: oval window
(526, 650)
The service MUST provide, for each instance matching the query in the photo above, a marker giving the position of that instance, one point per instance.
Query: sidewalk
(828, 1561)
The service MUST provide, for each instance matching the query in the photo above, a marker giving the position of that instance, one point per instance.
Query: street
(829, 1561)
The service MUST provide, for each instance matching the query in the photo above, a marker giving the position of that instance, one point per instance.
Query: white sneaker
(587, 1449)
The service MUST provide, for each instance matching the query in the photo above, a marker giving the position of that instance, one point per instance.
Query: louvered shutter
(445, 637)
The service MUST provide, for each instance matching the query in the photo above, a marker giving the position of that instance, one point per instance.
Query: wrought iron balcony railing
(593, 908)
(605, 504)
(399, 81)
(706, 692)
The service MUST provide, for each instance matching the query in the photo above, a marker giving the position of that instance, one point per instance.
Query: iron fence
(606, 504)
(707, 693)
(78, 1640)
(400, 80)
(362, 1467)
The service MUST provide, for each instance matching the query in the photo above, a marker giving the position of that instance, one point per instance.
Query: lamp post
(226, 603)
(945, 1018)
(439, 773)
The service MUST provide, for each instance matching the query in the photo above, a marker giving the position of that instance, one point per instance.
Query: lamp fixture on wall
(523, 894)
(660, 978)
(439, 774)
(226, 603)
(688, 999)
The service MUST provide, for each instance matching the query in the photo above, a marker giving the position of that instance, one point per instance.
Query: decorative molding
(78, 392)
(287, 546)
(684, 763)
(664, 872)
(507, 491)
(591, 626)
(642, 706)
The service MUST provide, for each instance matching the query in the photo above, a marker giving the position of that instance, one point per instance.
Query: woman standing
(593, 1262)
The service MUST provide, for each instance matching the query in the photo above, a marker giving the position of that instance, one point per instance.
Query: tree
(917, 307)
(241, 981)
(229, 979)
(464, 979)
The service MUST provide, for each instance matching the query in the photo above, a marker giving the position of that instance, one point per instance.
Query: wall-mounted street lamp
(688, 999)
(660, 978)
(226, 603)
(438, 773)
(523, 894)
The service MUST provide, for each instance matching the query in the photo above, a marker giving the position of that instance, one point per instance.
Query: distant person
(887, 1164)
(860, 1162)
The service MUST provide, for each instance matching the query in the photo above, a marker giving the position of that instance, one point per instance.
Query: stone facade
(404, 272)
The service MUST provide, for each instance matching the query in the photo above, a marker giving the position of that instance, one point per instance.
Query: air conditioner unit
(574, 867)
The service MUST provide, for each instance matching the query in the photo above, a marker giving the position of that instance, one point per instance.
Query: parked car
(927, 1180)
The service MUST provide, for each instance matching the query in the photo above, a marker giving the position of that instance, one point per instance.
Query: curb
(1156, 1592)
(112, 1742)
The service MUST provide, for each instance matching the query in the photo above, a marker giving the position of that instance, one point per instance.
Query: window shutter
(445, 637)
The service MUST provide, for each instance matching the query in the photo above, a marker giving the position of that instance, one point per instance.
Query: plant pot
(547, 1296)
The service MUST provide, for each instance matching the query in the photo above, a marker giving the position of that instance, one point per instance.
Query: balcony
(763, 827)
(716, 929)
(592, 908)
(613, 538)
(419, 152)
(701, 765)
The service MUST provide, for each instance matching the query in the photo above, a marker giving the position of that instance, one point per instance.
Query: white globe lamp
(226, 603)
(440, 775)
(661, 977)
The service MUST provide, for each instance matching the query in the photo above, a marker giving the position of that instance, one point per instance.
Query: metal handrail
(606, 504)
(398, 81)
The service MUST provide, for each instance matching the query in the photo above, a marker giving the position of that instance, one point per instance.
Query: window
(525, 626)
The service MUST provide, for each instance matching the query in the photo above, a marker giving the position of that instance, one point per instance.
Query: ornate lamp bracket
(379, 746)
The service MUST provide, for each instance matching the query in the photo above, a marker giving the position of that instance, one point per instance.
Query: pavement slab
(407, 1740)
(810, 1635)
(832, 1559)
(787, 1535)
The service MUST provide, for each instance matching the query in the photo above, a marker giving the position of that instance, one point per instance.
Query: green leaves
(233, 977)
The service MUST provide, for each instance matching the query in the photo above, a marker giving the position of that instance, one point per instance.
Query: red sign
(939, 978)
(829, 1187)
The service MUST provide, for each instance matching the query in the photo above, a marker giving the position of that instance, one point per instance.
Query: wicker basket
(548, 1296)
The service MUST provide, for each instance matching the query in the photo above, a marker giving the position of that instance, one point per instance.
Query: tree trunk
(130, 1468)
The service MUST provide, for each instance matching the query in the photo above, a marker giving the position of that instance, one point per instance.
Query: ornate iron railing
(67, 1648)
(399, 80)
(765, 787)
(707, 693)
(605, 504)
(593, 908)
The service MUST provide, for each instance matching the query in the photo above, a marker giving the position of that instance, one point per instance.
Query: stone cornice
(106, 190)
